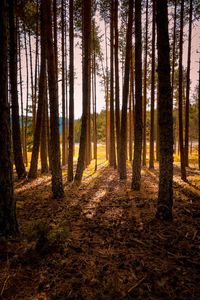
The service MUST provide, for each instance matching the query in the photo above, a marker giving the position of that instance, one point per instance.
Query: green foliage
(47, 236)
(101, 123)
(27, 12)
(37, 229)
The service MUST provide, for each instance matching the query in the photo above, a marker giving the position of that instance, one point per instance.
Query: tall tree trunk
(187, 103)
(31, 73)
(157, 130)
(165, 194)
(145, 88)
(180, 96)
(8, 221)
(88, 154)
(36, 55)
(173, 66)
(123, 136)
(136, 177)
(27, 97)
(66, 88)
(151, 154)
(107, 100)
(44, 130)
(57, 185)
(86, 74)
(21, 99)
(199, 118)
(41, 100)
(131, 97)
(18, 158)
(112, 155)
(94, 96)
(64, 158)
(71, 91)
(174, 46)
(117, 104)
(55, 38)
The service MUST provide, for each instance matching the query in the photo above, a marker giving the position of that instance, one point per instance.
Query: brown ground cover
(102, 241)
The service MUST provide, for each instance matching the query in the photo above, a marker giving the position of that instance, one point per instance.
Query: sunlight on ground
(90, 208)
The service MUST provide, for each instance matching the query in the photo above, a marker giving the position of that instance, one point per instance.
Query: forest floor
(101, 241)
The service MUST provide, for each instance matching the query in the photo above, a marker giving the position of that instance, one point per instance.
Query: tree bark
(16, 135)
(165, 108)
(136, 176)
(117, 103)
(86, 74)
(123, 135)
(57, 185)
(71, 91)
(64, 152)
(112, 155)
(199, 119)
(180, 97)
(8, 221)
(151, 154)
(145, 88)
(187, 103)
(44, 130)
(41, 100)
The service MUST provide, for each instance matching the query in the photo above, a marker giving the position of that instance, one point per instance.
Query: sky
(195, 56)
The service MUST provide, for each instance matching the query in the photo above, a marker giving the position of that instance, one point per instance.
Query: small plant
(47, 237)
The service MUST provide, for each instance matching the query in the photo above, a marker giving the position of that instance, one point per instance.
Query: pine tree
(57, 185)
(16, 134)
(86, 87)
(165, 108)
(8, 222)
(136, 177)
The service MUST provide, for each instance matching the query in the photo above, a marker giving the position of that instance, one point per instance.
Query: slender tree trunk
(180, 96)
(27, 97)
(107, 101)
(94, 97)
(145, 88)
(157, 130)
(199, 118)
(64, 159)
(88, 138)
(55, 38)
(174, 46)
(165, 194)
(117, 104)
(187, 103)
(31, 73)
(136, 177)
(112, 155)
(18, 158)
(44, 139)
(151, 154)
(21, 99)
(66, 88)
(48, 131)
(57, 186)
(36, 55)
(131, 96)
(173, 68)
(41, 100)
(8, 221)
(123, 136)
(71, 91)
(86, 74)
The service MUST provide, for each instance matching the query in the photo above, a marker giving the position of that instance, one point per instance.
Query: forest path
(103, 241)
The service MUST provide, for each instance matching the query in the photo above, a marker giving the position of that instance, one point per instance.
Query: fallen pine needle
(136, 285)
(4, 285)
